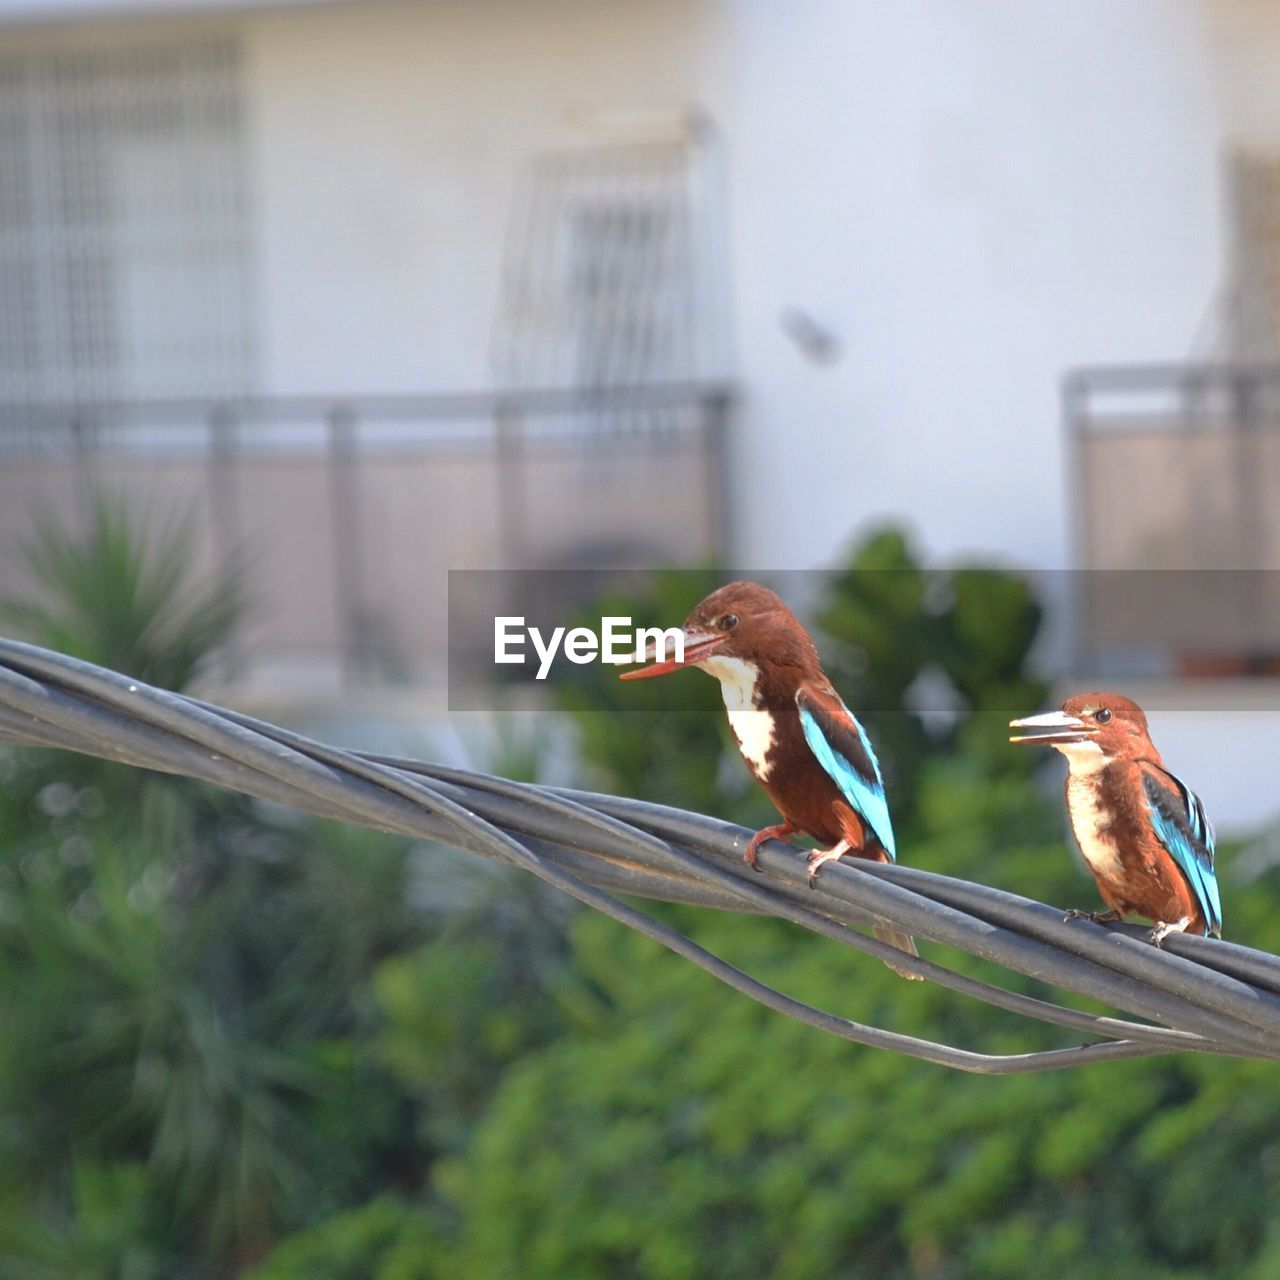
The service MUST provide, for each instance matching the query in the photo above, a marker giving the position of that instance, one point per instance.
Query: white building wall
(972, 196)
(388, 144)
(975, 196)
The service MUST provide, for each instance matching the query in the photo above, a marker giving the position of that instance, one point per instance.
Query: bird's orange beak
(698, 645)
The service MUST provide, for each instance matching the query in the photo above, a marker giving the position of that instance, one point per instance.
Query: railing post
(1077, 599)
(510, 460)
(82, 452)
(715, 408)
(344, 499)
(224, 512)
(1246, 414)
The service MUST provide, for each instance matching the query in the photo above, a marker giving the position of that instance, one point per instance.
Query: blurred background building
(379, 290)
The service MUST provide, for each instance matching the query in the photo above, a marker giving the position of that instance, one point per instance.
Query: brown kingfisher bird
(1143, 832)
(801, 743)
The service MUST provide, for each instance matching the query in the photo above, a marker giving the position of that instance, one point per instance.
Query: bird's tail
(904, 942)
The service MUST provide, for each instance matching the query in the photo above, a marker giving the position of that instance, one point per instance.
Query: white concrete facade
(972, 196)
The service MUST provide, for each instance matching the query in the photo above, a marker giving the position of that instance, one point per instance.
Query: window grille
(611, 274)
(1253, 319)
(124, 223)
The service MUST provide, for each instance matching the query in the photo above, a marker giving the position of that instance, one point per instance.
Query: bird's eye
(1103, 716)
(728, 622)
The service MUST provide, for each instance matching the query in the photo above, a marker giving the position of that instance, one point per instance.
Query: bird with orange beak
(1143, 832)
(799, 740)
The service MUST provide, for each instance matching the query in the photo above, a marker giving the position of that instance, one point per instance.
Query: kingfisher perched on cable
(799, 740)
(1143, 832)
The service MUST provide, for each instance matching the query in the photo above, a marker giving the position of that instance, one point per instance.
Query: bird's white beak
(1051, 729)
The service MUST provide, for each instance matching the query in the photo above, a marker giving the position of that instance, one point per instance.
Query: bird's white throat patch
(753, 728)
(1083, 758)
(1089, 819)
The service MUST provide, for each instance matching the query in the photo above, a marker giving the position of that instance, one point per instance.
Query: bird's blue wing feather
(1183, 828)
(844, 751)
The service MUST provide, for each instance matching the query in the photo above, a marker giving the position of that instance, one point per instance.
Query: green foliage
(492, 983)
(200, 1017)
(687, 1126)
(389, 1238)
(111, 1232)
(633, 740)
(897, 635)
(886, 628)
(679, 1130)
(188, 980)
(240, 1043)
(885, 633)
(121, 596)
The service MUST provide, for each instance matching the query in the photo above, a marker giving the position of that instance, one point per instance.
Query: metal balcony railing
(1175, 498)
(352, 509)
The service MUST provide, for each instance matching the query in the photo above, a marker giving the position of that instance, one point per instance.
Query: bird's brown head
(1109, 722)
(741, 620)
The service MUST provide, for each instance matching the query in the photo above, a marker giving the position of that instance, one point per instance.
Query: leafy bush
(239, 1043)
(122, 595)
(690, 1131)
(631, 740)
(187, 1003)
(900, 638)
(681, 1130)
